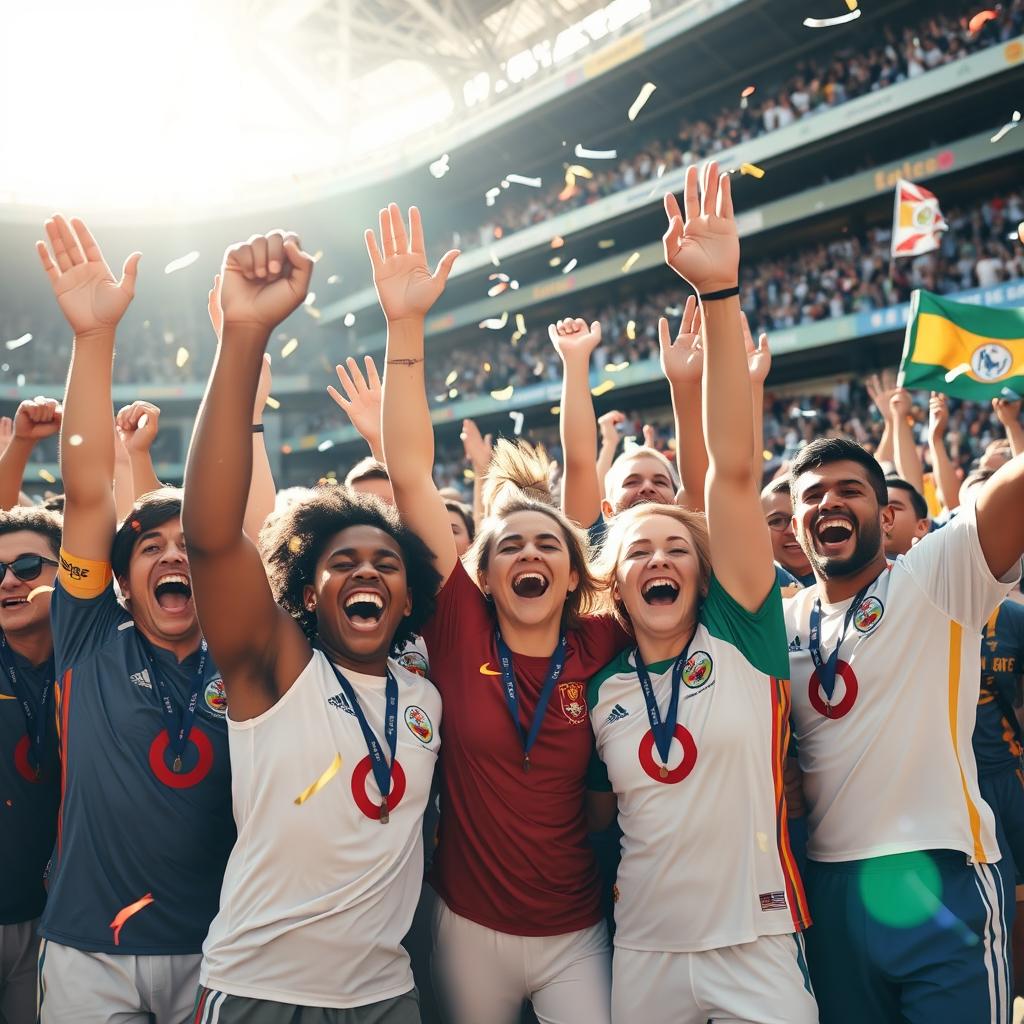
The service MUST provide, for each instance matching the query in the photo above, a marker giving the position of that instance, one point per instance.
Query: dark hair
(150, 511)
(55, 504)
(35, 519)
(465, 513)
(823, 451)
(366, 469)
(778, 486)
(917, 502)
(294, 542)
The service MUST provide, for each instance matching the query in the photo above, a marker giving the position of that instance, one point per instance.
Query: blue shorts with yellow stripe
(916, 938)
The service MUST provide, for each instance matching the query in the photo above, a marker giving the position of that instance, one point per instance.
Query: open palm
(682, 360)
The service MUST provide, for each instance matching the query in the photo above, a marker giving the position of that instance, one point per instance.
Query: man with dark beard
(912, 907)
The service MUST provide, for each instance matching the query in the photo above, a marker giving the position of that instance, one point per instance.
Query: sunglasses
(25, 567)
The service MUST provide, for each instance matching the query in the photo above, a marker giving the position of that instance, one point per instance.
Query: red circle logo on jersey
(846, 678)
(681, 770)
(181, 780)
(363, 802)
(22, 763)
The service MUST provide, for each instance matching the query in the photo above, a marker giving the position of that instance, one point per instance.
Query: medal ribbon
(178, 727)
(663, 731)
(381, 766)
(35, 719)
(508, 676)
(827, 668)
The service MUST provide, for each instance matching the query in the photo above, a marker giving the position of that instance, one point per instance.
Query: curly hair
(293, 544)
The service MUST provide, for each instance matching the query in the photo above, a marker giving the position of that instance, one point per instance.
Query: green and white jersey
(706, 861)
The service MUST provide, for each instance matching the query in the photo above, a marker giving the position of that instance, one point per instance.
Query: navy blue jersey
(1002, 662)
(141, 849)
(28, 802)
(784, 578)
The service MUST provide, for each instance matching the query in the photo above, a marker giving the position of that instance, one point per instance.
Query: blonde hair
(611, 557)
(517, 468)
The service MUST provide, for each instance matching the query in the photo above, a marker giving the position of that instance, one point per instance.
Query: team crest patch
(573, 700)
(697, 670)
(216, 697)
(419, 723)
(414, 662)
(868, 615)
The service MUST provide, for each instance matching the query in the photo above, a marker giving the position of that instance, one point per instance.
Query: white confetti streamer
(595, 154)
(517, 421)
(841, 19)
(17, 342)
(519, 179)
(182, 262)
(642, 97)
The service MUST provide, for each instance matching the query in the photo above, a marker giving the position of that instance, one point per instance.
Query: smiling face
(635, 479)
(529, 571)
(360, 593)
(778, 512)
(839, 521)
(906, 527)
(17, 613)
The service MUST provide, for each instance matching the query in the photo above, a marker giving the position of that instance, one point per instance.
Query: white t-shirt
(890, 768)
(318, 896)
(705, 852)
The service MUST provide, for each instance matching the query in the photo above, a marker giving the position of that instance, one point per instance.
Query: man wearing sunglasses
(29, 765)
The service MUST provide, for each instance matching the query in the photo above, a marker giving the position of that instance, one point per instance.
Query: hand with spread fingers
(137, 426)
(263, 280)
(880, 389)
(703, 249)
(477, 447)
(362, 398)
(759, 357)
(682, 360)
(89, 297)
(37, 418)
(574, 339)
(405, 285)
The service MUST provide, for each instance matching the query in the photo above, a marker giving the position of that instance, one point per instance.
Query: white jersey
(705, 852)
(318, 895)
(887, 761)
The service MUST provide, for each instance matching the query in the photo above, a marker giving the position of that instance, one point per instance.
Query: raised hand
(900, 402)
(705, 249)
(880, 391)
(759, 359)
(938, 414)
(89, 297)
(213, 308)
(573, 339)
(405, 285)
(1007, 410)
(263, 280)
(362, 398)
(137, 426)
(478, 449)
(6, 432)
(608, 424)
(682, 360)
(37, 418)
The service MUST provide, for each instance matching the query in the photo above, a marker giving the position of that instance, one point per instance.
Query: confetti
(491, 194)
(273, 402)
(496, 289)
(334, 279)
(503, 394)
(978, 21)
(439, 168)
(841, 19)
(487, 367)
(762, 841)
(468, 474)
(17, 342)
(628, 265)
(453, 393)
(39, 590)
(957, 371)
(325, 446)
(329, 774)
(497, 277)
(616, 367)
(309, 299)
(851, 5)
(642, 97)
(578, 170)
(753, 170)
(1006, 129)
(517, 422)
(494, 259)
(130, 911)
(595, 154)
(631, 330)
(313, 312)
(520, 323)
(605, 243)
(518, 179)
(451, 378)
(182, 262)
(349, 319)
(570, 266)
(603, 388)
(75, 440)
(748, 92)
(514, 285)
(294, 544)
(495, 323)
(557, 242)
(317, 256)
(290, 346)
(181, 358)
(554, 261)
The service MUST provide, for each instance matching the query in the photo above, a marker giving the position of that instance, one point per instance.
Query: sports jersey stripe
(40, 988)
(201, 998)
(799, 910)
(956, 635)
(993, 939)
(65, 702)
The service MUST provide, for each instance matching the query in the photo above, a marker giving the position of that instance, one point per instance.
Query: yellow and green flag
(972, 352)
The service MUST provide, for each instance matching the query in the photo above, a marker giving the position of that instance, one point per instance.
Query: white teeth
(175, 578)
(661, 581)
(364, 597)
(839, 521)
(529, 576)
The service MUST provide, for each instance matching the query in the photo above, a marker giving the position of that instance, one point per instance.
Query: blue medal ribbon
(662, 731)
(35, 718)
(827, 668)
(381, 766)
(178, 727)
(508, 676)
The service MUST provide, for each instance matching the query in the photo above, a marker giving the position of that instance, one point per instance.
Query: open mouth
(12, 602)
(660, 592)
(173, 593)
(529, 584)
(364, 608)
(834, 530)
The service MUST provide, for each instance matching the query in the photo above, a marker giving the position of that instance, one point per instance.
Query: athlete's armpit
(81, 577)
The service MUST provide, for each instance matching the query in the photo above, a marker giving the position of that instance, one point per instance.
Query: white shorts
(482, 976)
(19, 946)
(761, 982)
(76, 986)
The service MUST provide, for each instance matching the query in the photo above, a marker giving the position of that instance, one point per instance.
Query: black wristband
(725, 293)
(257, 428)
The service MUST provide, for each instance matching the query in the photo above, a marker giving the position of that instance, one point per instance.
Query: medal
(176, 767)
(179, 728)
(35, 719)
(662, 731)
(663, 772)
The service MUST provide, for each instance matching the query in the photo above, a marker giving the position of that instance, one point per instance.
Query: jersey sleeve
(949, 567)
(82, 625)
(759, 636)
(460, 611)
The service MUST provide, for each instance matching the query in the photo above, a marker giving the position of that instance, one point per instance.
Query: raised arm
(1008, 413)
(93, 304)
(407, 289)
(946, 484)
(880, 391)
(35, 419)
(705, 251)
(361, 401)
(478, 451)
(1000, 524)
(608, 431)
(137, 426)
(908, 461)
(259, 648)
(582, 489)
(759, 364)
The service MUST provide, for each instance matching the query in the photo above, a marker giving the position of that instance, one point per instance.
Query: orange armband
(81, 577)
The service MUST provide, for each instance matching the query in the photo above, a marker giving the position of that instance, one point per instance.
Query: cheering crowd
(673, 748)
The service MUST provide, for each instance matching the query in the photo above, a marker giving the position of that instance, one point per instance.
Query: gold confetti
(555, 261)
(570, 187)
(294, 544)
(182, 262)
(752, 169)
(39, 590)
(520, 323)
(557, 242)
(46, 475)
(75, 440)
(580, 171)
(503, 394)
(766, 455)
(273, 402)
(631, 330)
(182, 357)
(628, 265)
(556, 410)
(329, 774)
(978, 21)
(487, 367)
(468, 474)
(289, 347)
(616, 367)
(451, 378)
(642, 97)
(603, 388)
(605, 243)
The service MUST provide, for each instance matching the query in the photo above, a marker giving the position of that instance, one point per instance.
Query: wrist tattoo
(404, 362)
